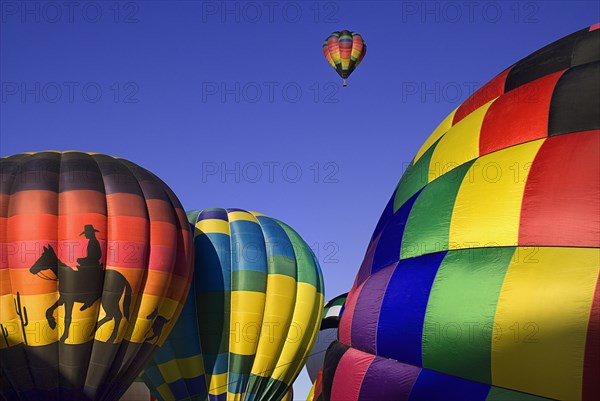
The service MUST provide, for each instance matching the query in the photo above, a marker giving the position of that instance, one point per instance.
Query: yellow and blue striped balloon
(252, 315)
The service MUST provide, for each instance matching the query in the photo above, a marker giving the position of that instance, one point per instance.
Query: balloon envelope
(91, 246)
(328, 332)
(480, 281)
(138, 391)
(344, 50)
(251, 317)
(316, 391)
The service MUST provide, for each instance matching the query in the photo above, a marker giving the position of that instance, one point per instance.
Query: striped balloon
(328, 332)
(344, 50)
(480, 281)
(251, 317)
(95, 265)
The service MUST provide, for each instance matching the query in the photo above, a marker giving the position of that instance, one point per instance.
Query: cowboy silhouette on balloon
(87, 284)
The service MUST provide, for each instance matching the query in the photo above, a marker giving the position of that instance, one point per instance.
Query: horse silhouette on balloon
(86, 284)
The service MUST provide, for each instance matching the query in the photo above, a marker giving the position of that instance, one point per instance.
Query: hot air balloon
(289, 395)
(91, 245)
(328, 331)
(138, 391)
(316, 391)
(344, 50)
(251, 317)
(480, 281)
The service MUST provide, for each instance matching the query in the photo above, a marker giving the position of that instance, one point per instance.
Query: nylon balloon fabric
(480, 281)
(252, 315)
(96, 264)
(328, 332)
(344, 50)
(316, 391)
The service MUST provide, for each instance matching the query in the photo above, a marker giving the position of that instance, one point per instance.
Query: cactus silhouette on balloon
(22, 313)
(5, 334)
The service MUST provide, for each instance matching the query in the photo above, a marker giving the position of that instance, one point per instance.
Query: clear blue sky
(233, 104)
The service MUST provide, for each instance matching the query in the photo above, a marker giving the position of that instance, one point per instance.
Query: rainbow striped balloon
(252, 315)
(480, 281)
(344, 50)
(95, 266)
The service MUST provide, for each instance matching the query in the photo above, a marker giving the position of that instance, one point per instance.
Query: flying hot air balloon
(251, 317)
(480, 281)
(344, 50)
(91, 246)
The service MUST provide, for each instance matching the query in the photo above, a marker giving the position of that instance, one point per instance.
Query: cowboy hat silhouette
(89, 230)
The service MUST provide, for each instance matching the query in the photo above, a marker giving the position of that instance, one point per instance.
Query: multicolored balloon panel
(328, 333)
(252, 315)
(344, 50)
(372, 377)
(482, 272)
(94, 250)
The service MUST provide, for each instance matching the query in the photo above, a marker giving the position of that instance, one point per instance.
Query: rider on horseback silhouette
(89, 283)
(94, 254)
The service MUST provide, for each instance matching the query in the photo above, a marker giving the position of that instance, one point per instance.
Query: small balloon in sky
(344, 50)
